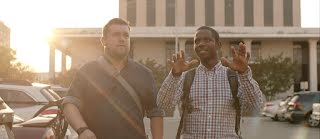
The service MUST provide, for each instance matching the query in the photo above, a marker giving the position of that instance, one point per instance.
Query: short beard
(116, 56)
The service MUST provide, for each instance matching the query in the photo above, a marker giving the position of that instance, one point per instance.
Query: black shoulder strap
(185, 97)
(233, 81)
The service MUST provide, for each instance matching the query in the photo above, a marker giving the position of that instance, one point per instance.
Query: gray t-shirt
(108, 110)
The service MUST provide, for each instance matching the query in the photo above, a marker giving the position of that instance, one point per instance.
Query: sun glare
(32, 43)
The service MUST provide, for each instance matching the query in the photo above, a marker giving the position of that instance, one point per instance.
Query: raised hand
(240, 59)
(179, 64)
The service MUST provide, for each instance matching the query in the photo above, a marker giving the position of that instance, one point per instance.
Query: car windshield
(49, 95)
(306, 98)
(294, 98)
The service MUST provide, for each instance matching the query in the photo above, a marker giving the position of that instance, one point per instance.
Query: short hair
(114, 21)
(214, 33)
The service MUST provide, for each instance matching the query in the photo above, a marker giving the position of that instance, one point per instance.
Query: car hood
(40, 121)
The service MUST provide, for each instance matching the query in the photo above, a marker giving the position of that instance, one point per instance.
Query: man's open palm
(240, 59)
(179, 64)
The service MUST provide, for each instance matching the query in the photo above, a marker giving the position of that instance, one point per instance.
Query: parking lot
(255, 128)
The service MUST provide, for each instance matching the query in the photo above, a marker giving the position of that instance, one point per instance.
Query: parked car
(40, 127)
(26, 100)
(43, 126)
(6, 120)
(270, 108)
(314, 120)
(274, 108)
(300, 106)
(283, 105)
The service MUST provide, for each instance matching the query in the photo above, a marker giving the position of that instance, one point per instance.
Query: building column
(63, 62)
(239, 13)
(278, 13)
(199, 12)
(258, 13)
(180, 12)
(160, 13)
(141, 13)
(296, 13)
(123, 9)
(313, 81)
(219, 12)
(52, 65)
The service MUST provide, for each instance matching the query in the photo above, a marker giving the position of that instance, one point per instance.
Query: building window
(190, 12)
(268, 12)
(131, 12)
(170, 50)
(209, 12)
(151, 12)
(170, 12)
(190, 54)
(234, 44)
(248, 13)
(255, 51)
(287, 13)
(229, 12)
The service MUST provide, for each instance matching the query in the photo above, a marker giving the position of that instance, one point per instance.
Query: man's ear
(219, 44)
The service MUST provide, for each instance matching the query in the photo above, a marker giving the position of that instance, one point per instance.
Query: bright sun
(32, 44)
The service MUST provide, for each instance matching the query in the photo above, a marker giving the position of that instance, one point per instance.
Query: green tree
(65, 79)
(11, 69)
(274, 74)
(7, 55)
(159, 71)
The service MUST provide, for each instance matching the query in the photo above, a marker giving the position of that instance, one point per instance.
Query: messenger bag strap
(116, 74)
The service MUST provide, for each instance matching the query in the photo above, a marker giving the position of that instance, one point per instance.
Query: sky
(31, 22)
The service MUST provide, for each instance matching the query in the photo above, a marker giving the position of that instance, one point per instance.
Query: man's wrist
(81, 130)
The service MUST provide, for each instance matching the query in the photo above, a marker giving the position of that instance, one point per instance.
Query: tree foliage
(274, 74)
(65, 78)
(159, 71)
(11, 69)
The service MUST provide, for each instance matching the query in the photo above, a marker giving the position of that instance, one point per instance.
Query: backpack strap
(233, 81)
(185, 98)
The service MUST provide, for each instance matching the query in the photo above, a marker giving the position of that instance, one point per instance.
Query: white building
(161, 27)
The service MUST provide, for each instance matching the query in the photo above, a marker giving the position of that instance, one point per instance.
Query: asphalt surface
(254, 128)
(251, 128)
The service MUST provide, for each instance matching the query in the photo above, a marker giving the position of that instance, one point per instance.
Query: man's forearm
(157, 127)
(167, 93)
(251, 92)
(73, 116)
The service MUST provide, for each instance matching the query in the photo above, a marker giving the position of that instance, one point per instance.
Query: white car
(26, 100)
(314, 119)
(270, 108)
(282, 110)
(276, 109)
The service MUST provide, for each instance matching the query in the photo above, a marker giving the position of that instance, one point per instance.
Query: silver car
(26, 100)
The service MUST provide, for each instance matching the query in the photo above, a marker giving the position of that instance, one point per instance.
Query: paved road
(255, 128)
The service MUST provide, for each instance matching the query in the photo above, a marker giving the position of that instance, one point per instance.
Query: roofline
(188, 32)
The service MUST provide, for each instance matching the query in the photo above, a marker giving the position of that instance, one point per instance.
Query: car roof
(32, 91)
(307, 92)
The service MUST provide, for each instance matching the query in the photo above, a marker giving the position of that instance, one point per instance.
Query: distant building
(4, 35)
(162, 27)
